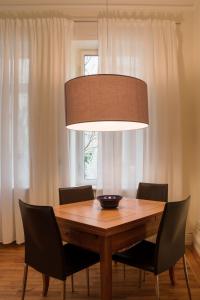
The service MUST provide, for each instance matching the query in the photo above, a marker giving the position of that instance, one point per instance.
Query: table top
(90, 214)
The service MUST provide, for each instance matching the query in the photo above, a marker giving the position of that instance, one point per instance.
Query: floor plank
(11, 269)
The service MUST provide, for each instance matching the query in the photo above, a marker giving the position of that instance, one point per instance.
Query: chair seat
(77, 258)
(140, 256)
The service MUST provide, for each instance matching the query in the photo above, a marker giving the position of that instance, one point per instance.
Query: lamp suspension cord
(107, 12)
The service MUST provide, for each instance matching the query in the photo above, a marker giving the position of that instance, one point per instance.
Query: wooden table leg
(171, 275)
(106, 268)
(45, 285)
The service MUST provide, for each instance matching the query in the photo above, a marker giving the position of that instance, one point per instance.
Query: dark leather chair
(168, 249)
(72, 195)
(156, 192)
(44, 250)
(75, 194)
(152, 191)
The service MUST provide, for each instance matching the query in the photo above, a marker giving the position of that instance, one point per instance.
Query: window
(90, 155)
(90, 139)
(84, 145)
(90, 64)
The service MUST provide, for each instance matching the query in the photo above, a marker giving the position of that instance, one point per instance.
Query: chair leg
(186, 277)
(172, 275)
(140, 278)
(24, 280)
(45, 285)
(144, 276)
(124, 271)
(88, 280)
(157, 288)
(72, 283)
(64, 290)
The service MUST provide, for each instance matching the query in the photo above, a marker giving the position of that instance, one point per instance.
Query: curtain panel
(34, 64)
(146, 49)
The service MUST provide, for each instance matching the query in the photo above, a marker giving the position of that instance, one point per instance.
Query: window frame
(80, 165)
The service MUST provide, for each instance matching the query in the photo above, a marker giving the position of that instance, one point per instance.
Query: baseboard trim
(196, 238)
(196, 244)
(197, 248)
(188, 239)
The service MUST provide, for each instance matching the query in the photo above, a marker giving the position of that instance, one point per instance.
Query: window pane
(90, 64)
(90, 155)
(90, 138)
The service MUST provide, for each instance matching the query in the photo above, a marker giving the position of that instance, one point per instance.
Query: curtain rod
(95, 21)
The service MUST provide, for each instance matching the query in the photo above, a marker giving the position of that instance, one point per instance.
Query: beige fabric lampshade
(106, 102)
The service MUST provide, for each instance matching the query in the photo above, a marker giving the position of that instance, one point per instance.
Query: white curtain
(34, 64)
(147, 49)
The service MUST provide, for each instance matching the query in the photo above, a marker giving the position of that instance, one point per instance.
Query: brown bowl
(109, 201)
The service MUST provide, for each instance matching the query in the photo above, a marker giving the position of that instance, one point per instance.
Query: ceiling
(99, 2)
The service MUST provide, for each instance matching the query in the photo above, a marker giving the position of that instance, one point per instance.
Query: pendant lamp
(106, 102)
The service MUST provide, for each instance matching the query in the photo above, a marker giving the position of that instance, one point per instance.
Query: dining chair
(156, 192)
(152, 191)
(76, 194)
(168, 249)
(44, 250)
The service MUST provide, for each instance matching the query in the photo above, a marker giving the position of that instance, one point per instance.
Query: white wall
(190, 89)
(186, 62)
(195, 148)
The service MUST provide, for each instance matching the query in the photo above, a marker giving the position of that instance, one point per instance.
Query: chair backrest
(75, 194)
(152, 191)
(170, 243)
(43, 245)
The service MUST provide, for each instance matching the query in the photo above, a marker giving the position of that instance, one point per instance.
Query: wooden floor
(11, 268)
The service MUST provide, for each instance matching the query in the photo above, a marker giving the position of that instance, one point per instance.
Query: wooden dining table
(106, 231)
